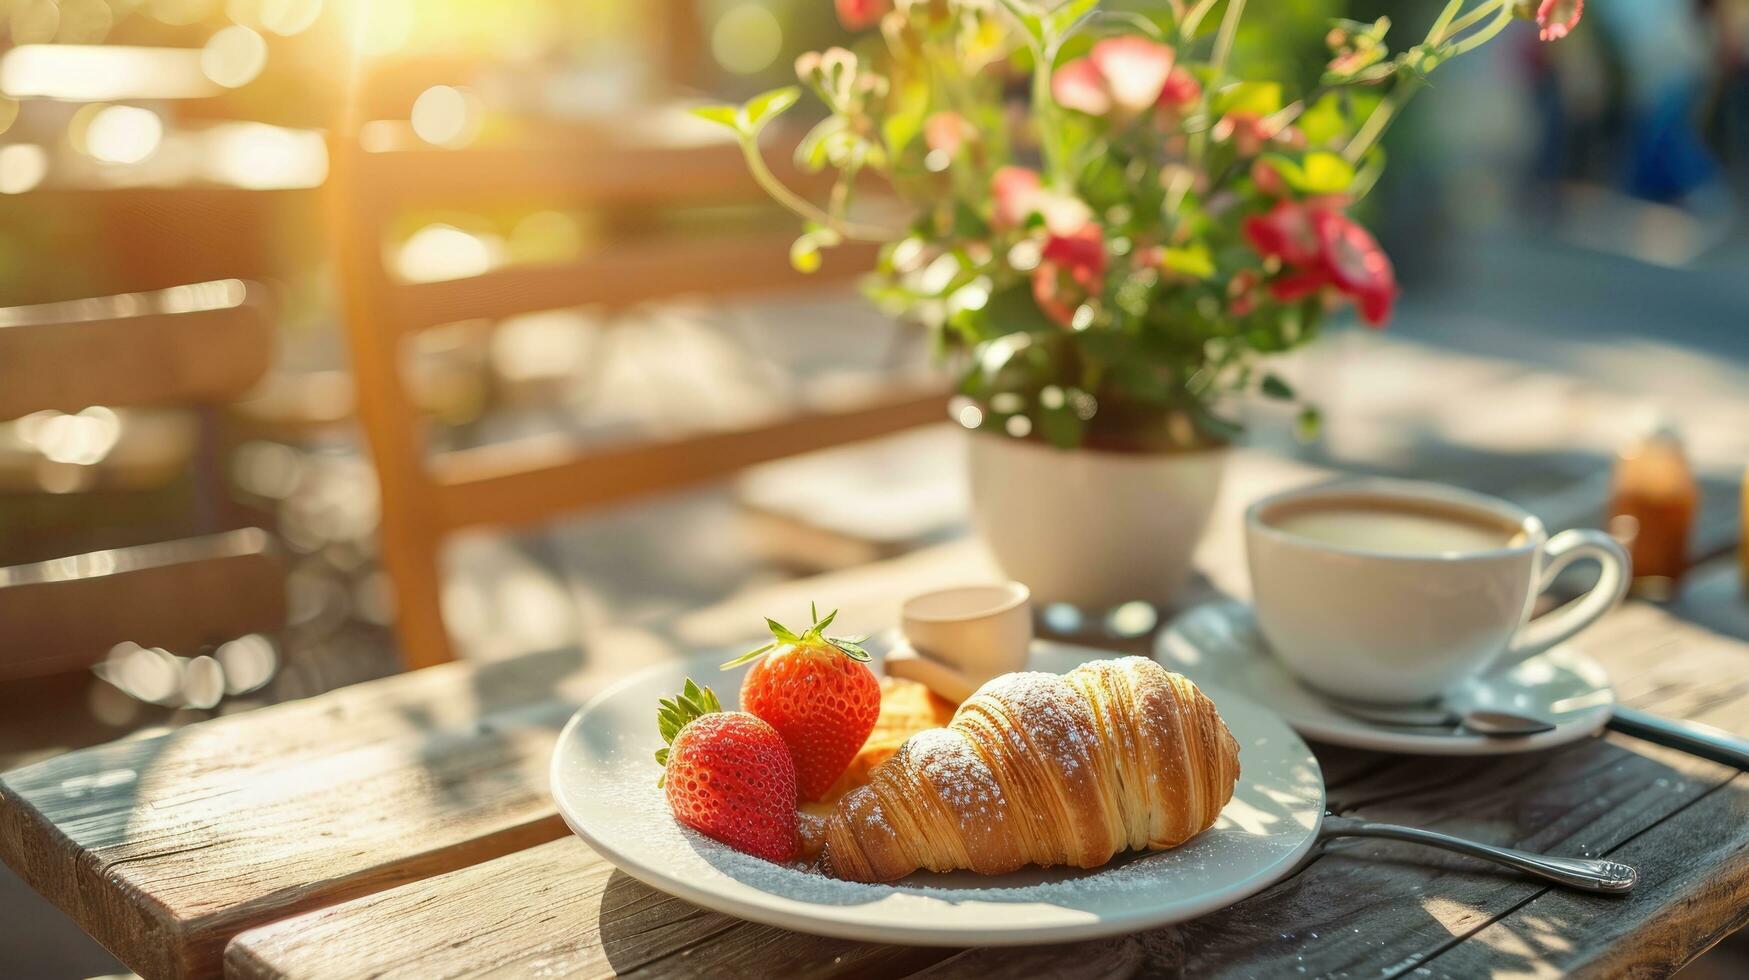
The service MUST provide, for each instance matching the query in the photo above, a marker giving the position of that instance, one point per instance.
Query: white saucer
(604, 780)
(1218, 643)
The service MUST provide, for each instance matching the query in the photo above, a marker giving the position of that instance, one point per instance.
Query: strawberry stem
(674, 714)
(814, 635)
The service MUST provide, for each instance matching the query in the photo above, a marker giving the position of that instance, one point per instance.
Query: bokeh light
(181, 12)
(8, 113)
(446, 116)
(83, 439)
(84, 21)
(123, 134)
(233, 56)
(262, 157)
(440, 251)
(747, 39)
(101, 73)
(22, 167)
(288, 17)
(35, 21)
(378, 27)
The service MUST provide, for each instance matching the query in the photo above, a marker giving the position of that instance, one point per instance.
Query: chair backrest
(427, 496)
(200, 344)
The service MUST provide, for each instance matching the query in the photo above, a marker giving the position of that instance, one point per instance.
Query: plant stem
(1502, 17)
(1392, 105)
(801, 206)
(1445, 16)
(1462, 24)
(1193, 20)
(1229, 29)
(1224, 37)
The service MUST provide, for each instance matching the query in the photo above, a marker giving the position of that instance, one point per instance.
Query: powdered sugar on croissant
(1043, 769)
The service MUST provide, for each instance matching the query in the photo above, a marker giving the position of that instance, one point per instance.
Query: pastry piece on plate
(1043, 769)
(907, 708)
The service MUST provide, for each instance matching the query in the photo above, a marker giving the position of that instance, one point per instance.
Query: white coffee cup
(965, 636)
(1375, 618)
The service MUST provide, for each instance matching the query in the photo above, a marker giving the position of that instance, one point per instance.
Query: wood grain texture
(1362, 908)
(181, 595)
(198, 344)
(164, 847)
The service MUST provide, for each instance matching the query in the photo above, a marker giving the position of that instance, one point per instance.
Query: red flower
(1251, 133)
(1285, 233)
(1357, 265)
(858, 14)
(1017, 191)
(1127, 74)
(1556, 18)
(1071, 268)
(1181, 90)
(1322, 247)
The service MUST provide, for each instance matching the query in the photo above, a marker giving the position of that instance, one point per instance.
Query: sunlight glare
(446, 116)
(233, 56)
(22, 167)
(378, 27)
(99, 73)
(288, 17)
(262, 157)
(747, 39)
(123, 134)
(439, 251)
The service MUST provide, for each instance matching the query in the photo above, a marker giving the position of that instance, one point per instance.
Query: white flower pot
(1088, 527)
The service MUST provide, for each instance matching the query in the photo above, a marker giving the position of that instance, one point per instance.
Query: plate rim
(1360, 734)
(794, 914)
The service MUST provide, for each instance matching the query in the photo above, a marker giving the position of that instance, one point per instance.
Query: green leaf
(1325, 121)
(765, 107)
(906, 112)
(852, 649)
(1065, 19)
(820, 625)
(1326, 173)
(749, 655)
(1031, 18)
(1191, 260)
(1274, 387)
(782, 632)
(1309, 424)
(722, 115)
(1261, 98)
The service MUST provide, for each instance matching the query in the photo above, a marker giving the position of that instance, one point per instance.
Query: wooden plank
(163, 848)
(67, 613)
(534, 480)
(1365, 908)
(205, 343)
(625, 275)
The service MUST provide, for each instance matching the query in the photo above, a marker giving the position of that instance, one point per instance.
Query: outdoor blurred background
(1558, 213)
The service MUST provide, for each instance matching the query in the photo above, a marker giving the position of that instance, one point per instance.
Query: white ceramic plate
(1218, 644)
(604, 779)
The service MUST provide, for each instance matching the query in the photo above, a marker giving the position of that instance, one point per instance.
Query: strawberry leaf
(749, 655)
(850, 648)
(782, 632)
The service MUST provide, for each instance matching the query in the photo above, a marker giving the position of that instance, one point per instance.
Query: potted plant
(1114, 233)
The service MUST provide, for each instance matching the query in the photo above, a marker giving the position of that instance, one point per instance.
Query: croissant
(1043, 769)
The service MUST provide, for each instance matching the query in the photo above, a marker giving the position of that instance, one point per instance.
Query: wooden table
(402, 827)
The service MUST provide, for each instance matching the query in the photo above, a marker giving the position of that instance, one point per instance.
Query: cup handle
(1561, 625)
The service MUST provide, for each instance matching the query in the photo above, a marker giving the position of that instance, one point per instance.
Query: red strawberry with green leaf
(728, 775)
(819, 694)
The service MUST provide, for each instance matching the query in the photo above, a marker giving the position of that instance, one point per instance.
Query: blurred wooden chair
(427, 496)
(201, 345)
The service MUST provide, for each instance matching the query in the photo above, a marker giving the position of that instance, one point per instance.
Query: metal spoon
(1493, 723)
(1584, 874)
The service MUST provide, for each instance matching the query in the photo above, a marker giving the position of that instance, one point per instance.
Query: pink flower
(1016, 190)
(1322, 247)
(1181, 90)
(947, 132)
(1556, 18)
(1268, 179)
(858, 14)
(1251, 133)
(1124, 75)
(1071, 268)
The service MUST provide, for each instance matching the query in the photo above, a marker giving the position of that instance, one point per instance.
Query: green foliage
(1141, 345)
